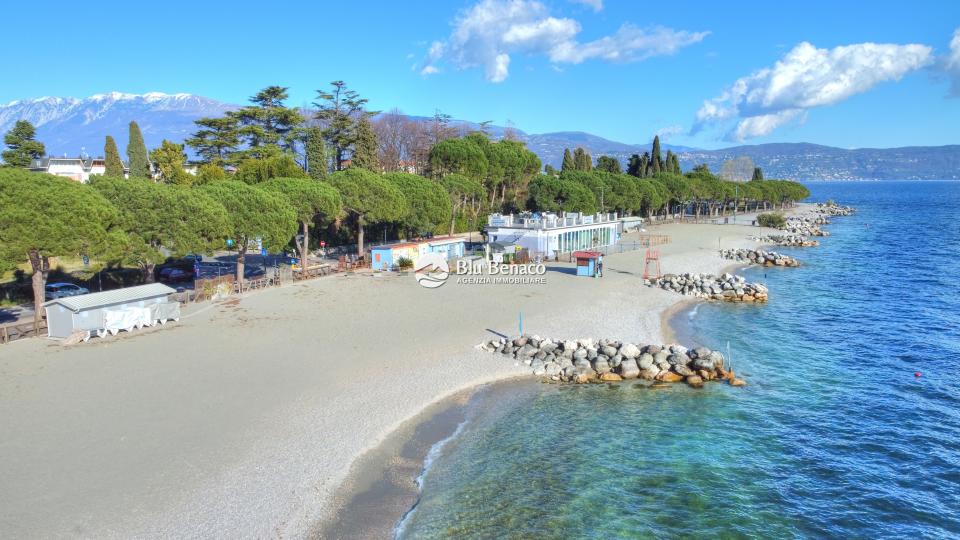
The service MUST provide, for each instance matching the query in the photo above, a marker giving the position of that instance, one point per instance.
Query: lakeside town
(551, 269)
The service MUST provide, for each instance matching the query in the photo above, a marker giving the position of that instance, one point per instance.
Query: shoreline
(291, 392)
(332, 526)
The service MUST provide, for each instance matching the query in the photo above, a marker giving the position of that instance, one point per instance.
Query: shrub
(404, 263)
(775, 220)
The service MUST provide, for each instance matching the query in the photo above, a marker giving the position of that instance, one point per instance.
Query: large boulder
(552, 368)
(677, 359)
(650, 373)
(609, 351)
(629, 350)
(682, 369)
(520, 341)
(629, 369)
(646, 361)
(610, 377)
(669, 376)
(601, 366)
(527, 351)
(699, 352)
(694, 380)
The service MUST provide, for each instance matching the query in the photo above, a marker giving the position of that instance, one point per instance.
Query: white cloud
(486, 34)
(596, 5)
(670, 131)
(807, 77)
(952, 63)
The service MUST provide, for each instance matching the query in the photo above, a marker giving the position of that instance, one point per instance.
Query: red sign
(323, 244)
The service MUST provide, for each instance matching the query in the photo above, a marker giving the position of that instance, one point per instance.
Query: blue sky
(559, 76)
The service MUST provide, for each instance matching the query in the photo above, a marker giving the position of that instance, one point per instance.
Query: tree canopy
(254, 170)
(158, 217)
(368, 198)
(254, 213)
(44, 216)
(22, 146)
(169, 160)
(429, 202)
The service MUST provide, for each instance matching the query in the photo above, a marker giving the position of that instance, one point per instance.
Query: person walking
(600, 265)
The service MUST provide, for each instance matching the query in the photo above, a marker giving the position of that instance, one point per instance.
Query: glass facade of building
(583, 239)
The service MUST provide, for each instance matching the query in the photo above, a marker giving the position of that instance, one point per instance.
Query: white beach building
(548, 234)
(77, 168)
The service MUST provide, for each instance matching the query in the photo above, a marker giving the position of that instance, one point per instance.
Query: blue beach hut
(586, 262)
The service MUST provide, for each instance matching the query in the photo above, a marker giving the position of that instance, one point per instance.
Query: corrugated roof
(440, 240)
(109, 298)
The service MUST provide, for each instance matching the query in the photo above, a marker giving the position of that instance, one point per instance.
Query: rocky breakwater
(806, 226)
(606, 360)
(786, 240)
(759, 256)
(726, 287)
(831, 208)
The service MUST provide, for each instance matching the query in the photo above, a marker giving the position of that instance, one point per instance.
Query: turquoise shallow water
(834, 437)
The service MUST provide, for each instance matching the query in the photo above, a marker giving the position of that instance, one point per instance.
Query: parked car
(193, 258)
(174, 275)
(60, 290)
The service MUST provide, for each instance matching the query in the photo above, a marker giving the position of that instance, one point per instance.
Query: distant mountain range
(71, 126)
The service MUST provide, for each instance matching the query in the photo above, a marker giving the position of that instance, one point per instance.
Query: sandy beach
(243, 419)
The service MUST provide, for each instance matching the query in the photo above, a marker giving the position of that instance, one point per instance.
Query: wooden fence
(643, 241)
(19, 330)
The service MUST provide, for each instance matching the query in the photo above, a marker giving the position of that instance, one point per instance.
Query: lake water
(835, 436)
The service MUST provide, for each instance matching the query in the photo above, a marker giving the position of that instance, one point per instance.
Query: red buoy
(916, 373)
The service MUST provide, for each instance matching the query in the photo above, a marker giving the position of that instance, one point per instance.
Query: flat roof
(109, 298)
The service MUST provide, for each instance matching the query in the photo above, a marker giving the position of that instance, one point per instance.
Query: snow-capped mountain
(71, 126)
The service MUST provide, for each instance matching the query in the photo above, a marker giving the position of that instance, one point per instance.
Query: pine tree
(656, 161)
(568, 164)
(582, 160)
(757, 173)
(114, 165)
(137, 153)
(216, 140)
(21, 145)
(645, 165)
(316, 153)
(365, 146)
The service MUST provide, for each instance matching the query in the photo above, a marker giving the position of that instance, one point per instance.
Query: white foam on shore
(431, 456)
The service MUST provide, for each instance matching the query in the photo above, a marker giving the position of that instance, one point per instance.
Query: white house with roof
(548, 234)
(75, 168)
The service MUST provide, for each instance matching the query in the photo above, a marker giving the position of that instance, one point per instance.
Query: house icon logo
(431, 270)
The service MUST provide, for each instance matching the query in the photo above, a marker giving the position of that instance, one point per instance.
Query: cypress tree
(656, 161)
(365, 147)
(582, 160)
(645, 165)
(633, 167)
(568, 164)
(676, 164)
(114, 165)
(757, 173)
(137, 153)
(316, 154)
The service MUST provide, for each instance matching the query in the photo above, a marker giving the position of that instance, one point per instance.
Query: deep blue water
(833, 437)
